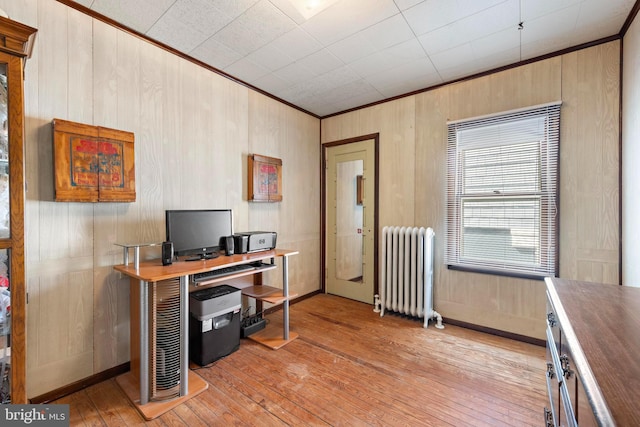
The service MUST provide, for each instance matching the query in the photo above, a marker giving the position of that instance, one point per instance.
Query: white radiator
(406, 273)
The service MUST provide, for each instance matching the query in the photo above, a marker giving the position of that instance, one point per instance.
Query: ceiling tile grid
(356, 52)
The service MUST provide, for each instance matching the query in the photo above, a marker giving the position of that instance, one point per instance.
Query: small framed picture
(265, 179)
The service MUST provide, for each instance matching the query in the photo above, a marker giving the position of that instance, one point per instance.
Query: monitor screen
(200, 232)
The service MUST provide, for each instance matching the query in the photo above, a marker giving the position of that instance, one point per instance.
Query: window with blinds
(502, 193)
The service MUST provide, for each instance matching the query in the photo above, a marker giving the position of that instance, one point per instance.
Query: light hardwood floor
(351, 367)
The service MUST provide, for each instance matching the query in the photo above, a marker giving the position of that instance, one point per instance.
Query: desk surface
(153, 270)
(606, 322)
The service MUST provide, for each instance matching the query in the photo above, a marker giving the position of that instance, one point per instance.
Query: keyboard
(224, 271)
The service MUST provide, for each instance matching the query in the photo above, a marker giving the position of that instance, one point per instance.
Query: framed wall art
(265, 179)
(93, 163)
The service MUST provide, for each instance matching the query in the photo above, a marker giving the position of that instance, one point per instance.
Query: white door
(350, 189)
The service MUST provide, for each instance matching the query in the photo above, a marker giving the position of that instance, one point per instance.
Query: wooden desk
(136, 383)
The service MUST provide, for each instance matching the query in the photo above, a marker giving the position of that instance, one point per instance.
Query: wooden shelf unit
(268, 336)
(143, 274)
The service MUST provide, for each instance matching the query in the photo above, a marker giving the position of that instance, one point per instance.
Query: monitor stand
(202, 257)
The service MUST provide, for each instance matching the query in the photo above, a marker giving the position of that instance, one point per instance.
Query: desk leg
(285, 293)
(184, 335)
(144, 342)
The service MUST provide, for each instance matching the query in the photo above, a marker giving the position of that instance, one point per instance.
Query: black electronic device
(167, 253)
(228, 245)
(254, 241)
(214, 324)
(198, 233)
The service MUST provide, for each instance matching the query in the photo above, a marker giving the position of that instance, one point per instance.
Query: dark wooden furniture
(146, 276)
(593, 343)
(16, 44)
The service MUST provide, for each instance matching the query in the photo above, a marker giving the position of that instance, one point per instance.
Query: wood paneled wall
(413, 175)
(193, 131)
(631, 156)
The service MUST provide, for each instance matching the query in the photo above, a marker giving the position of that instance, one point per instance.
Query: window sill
(514, 274)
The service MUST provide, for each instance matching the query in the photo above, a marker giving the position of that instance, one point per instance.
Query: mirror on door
(349, 224)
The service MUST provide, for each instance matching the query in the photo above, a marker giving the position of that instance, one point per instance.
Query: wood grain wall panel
(631, 156)
(297, 217)
(589, 165)
(192, 131)
(58, 324)
(395, 123)
(431, 170)
(149, 121)
(509, 304)
(106, 87)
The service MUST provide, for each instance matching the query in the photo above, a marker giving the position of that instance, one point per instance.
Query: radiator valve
(376, 303)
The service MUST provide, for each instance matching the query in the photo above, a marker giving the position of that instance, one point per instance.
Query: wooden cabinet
(592, 348)
(16, 42)
(93, 163)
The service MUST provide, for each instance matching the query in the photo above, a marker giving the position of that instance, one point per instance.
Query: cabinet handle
(551, 318)
(550, 372)
(566, 366)
(548, 418)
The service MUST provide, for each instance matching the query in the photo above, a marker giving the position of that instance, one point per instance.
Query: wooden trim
(17, 39)
(620, 165)
(17, 196)
(630, 18)
(496, 332)
(323, 204)
(80, 385)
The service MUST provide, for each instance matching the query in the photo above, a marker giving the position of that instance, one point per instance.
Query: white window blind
(502, 192)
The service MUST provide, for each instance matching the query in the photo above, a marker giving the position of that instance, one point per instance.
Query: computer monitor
(198, 233)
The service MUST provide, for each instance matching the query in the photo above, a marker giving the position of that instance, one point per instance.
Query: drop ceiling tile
(392, 57)
(535, 9)
(454, 57)
(296, 43)
(321, 62)
(138, 15)
(352, 48)
(216, 54)
(497, 59)
(407, 4)
(270, 57)
(550, 32)
(390, 32)
(320, 84)
(500, 41)
(188, 23)
(405, 78)
(473, 27)
(255, 28)
(591, 13)
(431, 15)
(348, 17)
(233, 7)
(246, 70)
(179, 35)
(271, 83)
(294, 73)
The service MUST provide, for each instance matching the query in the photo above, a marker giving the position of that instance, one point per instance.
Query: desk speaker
(167, 253)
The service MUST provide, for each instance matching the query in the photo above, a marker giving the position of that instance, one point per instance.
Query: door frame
(323, 206)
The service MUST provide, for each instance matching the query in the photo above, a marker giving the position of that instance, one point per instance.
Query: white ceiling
(357, 52)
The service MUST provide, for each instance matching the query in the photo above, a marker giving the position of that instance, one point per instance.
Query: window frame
(546, 241)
